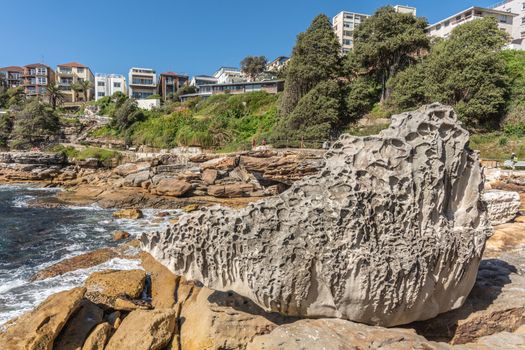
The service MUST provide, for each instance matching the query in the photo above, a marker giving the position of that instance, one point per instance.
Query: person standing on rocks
(514, 160)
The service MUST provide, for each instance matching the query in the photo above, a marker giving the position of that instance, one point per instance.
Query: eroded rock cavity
(390, 231)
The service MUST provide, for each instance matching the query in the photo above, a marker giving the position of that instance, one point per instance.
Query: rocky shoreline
(213, 282)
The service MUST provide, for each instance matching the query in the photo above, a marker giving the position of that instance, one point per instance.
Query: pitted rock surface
(390, 231)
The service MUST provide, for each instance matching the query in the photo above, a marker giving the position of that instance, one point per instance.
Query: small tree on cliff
(35, 124)
(252, 66)
(316, 57)
(387, 42)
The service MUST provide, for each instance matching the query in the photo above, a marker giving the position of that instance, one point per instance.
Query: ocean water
(34, 238)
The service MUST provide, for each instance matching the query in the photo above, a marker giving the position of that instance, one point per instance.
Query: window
(523, 20)
(101, 83)
(347, 42)
(446, 24)
(42, 80)
(503, 19)
(41, 71)
(348, 33)
(116, 85)
(101, 94)
(80, 70)
(438, 27)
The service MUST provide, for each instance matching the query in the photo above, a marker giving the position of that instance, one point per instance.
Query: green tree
(127, 114)
(362, 94)
(37, 123)
(54, 94)
(316, 118)
(252, 66)
(82, 86)
(316, 57)
(408, 89)
(6, 126)
(386, 43)
(468, 72)
(15, 97)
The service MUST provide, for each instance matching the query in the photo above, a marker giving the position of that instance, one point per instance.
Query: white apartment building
(344, 24)
(108, 84)
(228, 75)
(444, 27)
(142, 83)
(518, 24)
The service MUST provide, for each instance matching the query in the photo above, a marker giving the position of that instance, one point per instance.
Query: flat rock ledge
(390, 231)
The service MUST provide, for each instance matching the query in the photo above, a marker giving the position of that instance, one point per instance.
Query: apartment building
(36, 78)
(70, 75)
(142, 82)
(277, 64)
(108, 84)
(200, 80)
(444, 27)
(11, 76)
(518, 24)
(270, 86)
(170, 83)
(345, 22)
(227, 75)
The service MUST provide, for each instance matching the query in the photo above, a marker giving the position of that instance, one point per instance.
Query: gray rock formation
(390, 231)
(502, 206)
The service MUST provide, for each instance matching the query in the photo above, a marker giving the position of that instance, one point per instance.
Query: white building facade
(108, 84)
(228, 75)
(142, 83)
(516, 7)
(344, 24)
(444, 27)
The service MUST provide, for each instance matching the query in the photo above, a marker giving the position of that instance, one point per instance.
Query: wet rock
(144, 330)
(502, 206)
(39, 328)
(105, 287)
(128, 214)
(120, 235)
(79, 326)
(98, 338)
(391, 230)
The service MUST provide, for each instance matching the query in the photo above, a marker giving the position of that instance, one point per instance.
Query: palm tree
(56, 96)
(82, 86)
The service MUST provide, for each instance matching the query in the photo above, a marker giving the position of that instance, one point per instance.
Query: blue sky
(187, 36)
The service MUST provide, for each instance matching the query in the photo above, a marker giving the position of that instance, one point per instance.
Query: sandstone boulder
(231, 190)
(502, 206)
(39, 328)
(79, 326)
(128, 214)
(172, 187)
(98, 338)
(105, 287)
(144, 330)
(390, 231)
(131, 168)
(120, 235)
(209, 176)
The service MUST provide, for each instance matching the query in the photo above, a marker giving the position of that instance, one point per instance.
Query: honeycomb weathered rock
(390, 231)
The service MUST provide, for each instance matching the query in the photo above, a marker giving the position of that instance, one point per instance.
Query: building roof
(72, 65)
(12, 69)
(36, 65)
(474, 8)
(173, 74)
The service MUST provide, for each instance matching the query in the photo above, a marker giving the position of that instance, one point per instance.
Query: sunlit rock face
(390, 231)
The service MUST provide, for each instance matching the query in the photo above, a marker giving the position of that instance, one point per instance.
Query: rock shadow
(245, 305)
(493, 275)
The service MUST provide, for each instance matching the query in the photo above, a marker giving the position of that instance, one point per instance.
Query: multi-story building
(69, 75)
(36, 78)
(226, 75)
(518, 23)
(277, 64)
(344, 24)
(444, 27)
(170, 83)
(108, 84)
(142, 83)
(200, 80)
(11, 76)
(270, 86)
